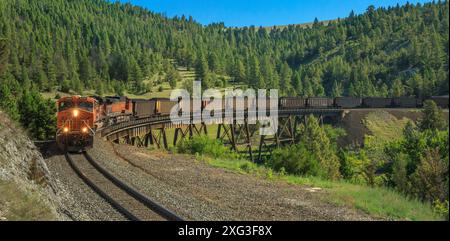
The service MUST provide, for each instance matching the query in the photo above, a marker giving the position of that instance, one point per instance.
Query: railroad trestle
(242, 135)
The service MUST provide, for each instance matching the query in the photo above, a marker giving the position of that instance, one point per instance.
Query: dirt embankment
(354, 124)
(27, 190)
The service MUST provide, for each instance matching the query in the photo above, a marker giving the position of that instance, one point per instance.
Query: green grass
(16, 205)
(385, 126)
(378, 202)
(381, 202)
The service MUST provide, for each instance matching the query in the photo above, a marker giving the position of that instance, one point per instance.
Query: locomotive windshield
(87, 106)
(65, 105)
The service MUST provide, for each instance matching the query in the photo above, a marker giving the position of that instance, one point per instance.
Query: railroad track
(130, 203)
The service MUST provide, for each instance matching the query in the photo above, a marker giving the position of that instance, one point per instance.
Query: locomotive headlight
(84, 130)
(75, 113)
(66, 129)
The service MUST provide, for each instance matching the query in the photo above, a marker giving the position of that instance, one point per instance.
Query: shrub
(418, 164)
(441, 208)
(38, 115)
(296, 160)
(431, 177)
(432, 117)
(65, 86)
(203, 145)
(399, 175)
(315, 155)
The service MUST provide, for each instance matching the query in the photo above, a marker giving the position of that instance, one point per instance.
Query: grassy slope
(378, 202)
(385, 126)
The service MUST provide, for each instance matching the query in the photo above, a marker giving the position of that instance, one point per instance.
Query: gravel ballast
(197, 191)
(81, 202)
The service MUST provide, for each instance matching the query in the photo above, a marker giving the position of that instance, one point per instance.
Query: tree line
(112, 47)
(25, 104)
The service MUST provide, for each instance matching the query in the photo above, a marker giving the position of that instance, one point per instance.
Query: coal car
(143, 108)
(292, 102)
(406, 102)
(319, 102)
(348, 102)
(441, 101)
(377, 102)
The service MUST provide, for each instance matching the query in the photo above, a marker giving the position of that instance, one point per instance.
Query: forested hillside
(95, 44)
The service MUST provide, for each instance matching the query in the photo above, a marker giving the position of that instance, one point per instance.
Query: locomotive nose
(75, 113)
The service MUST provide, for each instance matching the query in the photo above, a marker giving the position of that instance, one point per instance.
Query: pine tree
(285, 78)
(202, 69)
(432, 117)
(8, 103)
(255, 79)
(135, 76)
(337, 90)
(317, 142)
(397, 88)
(173, 77)
(297, 84)
(239, 74)
(4, 55)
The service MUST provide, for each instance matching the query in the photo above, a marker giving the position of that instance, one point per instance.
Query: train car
(319, 102)
(377, 102)
(143, 108)
(240, 104)
(117, 109)
(348, 102)
(406, 102)
(441, 101)
(164, 106)
(292, 103)
(76, 119)
(116, 105)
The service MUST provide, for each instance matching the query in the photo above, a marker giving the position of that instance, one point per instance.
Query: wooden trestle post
(236, 135)
(285, 135)
(188, 131)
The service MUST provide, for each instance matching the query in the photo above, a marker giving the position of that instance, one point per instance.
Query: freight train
(78, 117)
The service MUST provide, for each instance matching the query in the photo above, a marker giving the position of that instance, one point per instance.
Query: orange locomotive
(76, 122)
(79, 117)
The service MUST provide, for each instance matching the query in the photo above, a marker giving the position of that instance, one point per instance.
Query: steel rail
(155, 207)
(127, 214)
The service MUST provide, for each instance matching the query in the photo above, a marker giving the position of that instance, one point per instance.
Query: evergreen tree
(337, 90)
(432, 117)
(317, 142)
(8, 102)
(202, 69)
(363, 54)
(173, 77)
(4, 55)
(239, 73)
(397, 88)
(285, 78)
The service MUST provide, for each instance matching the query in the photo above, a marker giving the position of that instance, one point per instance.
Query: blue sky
(238, 13)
